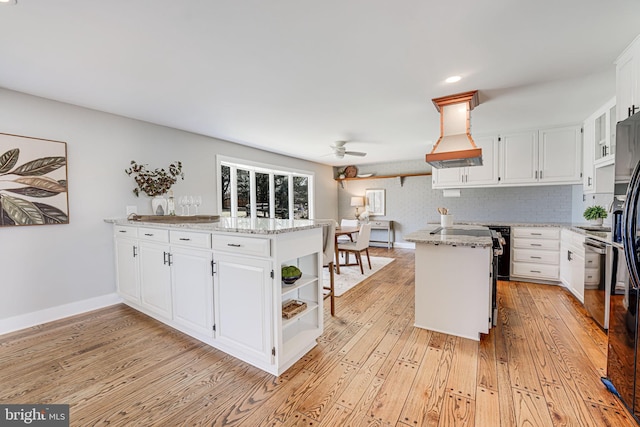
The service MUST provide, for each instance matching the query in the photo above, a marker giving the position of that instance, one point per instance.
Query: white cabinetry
(476, 176)
(599, 138)
(547, 156)
(572, 263)
(628, 81)
(167, 275)
(535, 253)
(243, 305)
(128, 278)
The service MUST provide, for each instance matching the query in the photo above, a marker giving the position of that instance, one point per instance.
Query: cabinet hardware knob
(121, 231)
(185, 239)
(235, 245)
(148, 234)
(536, 271)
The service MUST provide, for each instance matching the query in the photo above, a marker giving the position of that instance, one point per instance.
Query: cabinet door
(519, 162)
(626, 83)
(560, 155)
(487, 173)
(448, 177)
(127, 269)
(243, 304)
(155, 278)
(577, 276)
(192, 282)
(588, 151)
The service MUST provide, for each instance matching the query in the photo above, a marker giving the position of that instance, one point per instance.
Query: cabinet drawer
(190, 238)
(536, 257)
(538, 271)
(551, 245)
(242, 245)
(537, 232)
(379, 224)
(591, 276)
(123, 230)
(153, 234)
(592, 260)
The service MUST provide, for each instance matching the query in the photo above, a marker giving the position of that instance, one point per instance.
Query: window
(261, 191)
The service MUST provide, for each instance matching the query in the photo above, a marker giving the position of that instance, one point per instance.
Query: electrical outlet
(132, 210)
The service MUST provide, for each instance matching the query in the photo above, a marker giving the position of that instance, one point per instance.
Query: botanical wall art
(33, 181)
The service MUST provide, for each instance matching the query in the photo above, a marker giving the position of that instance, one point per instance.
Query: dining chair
(348, 223)
(362, 244)
(328, 253)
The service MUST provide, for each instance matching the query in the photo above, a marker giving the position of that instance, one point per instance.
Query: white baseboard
(404, 245)
(28, 320)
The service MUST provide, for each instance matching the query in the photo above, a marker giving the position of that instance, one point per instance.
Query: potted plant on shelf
(595, 214)
(155, 183)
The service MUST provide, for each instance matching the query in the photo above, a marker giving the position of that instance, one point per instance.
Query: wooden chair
(362, 244)
(328, 253)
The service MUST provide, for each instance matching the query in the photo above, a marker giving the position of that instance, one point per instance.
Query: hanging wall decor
(33, 181)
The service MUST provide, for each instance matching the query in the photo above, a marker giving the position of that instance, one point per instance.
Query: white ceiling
(294, 76)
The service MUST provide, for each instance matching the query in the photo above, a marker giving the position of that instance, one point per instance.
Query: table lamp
(357, 202)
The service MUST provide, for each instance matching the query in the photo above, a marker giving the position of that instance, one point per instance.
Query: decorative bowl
(291, 280)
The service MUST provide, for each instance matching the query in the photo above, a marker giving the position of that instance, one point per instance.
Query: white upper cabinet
(627, 81)
(599, 146)
(475, 176)
(549, 156)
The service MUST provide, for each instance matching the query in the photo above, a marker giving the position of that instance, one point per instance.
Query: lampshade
(357, 201)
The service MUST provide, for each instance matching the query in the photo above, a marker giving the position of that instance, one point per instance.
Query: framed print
(33, 181)
(374, 201)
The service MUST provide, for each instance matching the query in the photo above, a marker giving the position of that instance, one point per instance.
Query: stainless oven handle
(602, 250)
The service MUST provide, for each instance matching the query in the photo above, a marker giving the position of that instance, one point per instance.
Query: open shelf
(402, 176)
(301, 282)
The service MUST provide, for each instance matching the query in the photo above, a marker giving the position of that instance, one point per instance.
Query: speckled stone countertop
(424, 236)
(230, 225)
(601, 235)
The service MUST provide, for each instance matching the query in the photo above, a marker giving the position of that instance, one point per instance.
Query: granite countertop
(230, 225)
(424, 236)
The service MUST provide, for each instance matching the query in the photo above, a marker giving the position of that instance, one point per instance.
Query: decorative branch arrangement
(154, 182)
(21, 186)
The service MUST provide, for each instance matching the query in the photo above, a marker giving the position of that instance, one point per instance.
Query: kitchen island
(220, 282)
(453, 280)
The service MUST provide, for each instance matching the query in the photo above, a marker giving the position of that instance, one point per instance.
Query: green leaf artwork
(33, 181)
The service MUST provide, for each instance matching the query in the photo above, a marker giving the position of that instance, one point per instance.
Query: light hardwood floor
(540, 366)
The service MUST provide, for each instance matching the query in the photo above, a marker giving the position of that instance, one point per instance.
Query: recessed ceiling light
(9, 2)
(453, 79)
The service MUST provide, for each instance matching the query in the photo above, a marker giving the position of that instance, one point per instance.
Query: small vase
(159, 205)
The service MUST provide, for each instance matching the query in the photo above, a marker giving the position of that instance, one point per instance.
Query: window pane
(262, 195)
(225, 190)
(282, 196)
(244, 190)
(301, 197)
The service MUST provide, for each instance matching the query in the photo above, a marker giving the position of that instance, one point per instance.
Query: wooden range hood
(455, 147)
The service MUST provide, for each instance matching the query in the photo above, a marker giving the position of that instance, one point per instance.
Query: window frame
(256, 167)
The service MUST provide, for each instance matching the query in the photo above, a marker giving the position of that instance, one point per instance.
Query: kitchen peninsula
(453, 280)
(220, 282)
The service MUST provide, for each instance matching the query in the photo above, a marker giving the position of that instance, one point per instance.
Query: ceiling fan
(339, 150)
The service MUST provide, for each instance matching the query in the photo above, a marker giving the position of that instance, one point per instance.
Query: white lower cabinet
(225, 289)
(572, 263)
(243, 293)
(192, 289)
(535, 253)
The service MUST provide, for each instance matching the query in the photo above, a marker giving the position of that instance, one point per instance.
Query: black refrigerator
(623, 361)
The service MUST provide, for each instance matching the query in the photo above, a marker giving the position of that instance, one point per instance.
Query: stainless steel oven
(597, 279)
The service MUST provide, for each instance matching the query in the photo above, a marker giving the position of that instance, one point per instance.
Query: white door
(192, 282)
(560, 154)
(588, 154)
(127, 269)
(626, 85)
(243, 297)
(155, 278)
(519, 157)
(447, 177)
(487, 173)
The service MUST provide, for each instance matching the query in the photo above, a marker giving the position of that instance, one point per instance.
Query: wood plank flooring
(540, 366)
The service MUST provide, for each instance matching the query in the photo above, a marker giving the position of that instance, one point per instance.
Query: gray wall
(44, 267)
(414, 204)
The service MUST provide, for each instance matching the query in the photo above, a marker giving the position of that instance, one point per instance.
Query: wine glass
(189, 204)
(182, 201)
(197, 201)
